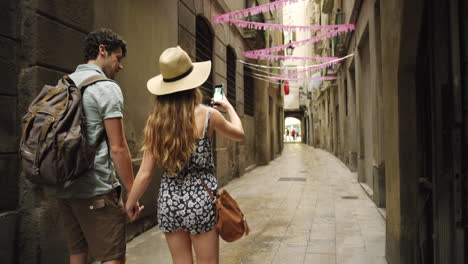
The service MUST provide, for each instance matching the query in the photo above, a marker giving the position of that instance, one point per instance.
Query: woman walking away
(178, 138)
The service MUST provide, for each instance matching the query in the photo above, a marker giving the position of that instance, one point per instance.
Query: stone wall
(350, 114)
(41, 40)
(402, 170)
(232, 158)
(9, 65)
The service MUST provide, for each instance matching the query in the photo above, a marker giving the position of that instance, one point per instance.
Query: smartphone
(218, 93)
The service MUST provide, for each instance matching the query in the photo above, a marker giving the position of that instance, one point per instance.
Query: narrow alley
(304, 207)
(350, 117)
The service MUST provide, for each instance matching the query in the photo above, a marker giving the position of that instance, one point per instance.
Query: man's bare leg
(81, 258)
(115, 261)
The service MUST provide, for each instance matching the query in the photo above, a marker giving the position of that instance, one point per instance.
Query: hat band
(180, 76)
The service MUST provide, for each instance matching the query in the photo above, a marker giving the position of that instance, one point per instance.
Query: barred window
(204, 52)
(231, 75)
(249, 95)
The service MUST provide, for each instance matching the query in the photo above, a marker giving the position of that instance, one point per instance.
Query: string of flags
(326, 31)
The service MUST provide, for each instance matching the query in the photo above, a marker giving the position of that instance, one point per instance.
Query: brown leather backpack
(54, 149)
(230, 221)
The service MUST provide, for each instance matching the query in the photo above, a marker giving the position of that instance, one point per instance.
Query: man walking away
(93, 215)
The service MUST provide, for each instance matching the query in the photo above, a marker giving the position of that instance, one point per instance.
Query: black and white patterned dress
(183, 202)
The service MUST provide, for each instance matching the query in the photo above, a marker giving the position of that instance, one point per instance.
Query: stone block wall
(8, 97)
(41, 40)
(9, 115)
(359, 141)
(232, 158)
(51, 40)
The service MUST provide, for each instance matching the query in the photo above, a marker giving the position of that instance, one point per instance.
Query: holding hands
(133, 210)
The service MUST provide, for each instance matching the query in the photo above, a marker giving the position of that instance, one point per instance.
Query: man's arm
(120, 153)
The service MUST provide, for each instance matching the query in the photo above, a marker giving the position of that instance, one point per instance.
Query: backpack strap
(87, 82)
(103, 137)
(207, 122)
(92, 80)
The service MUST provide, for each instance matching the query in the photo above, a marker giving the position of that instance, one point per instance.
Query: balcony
(327, 6)
(250, 32)
(305, 97)
(318, 47)
(338, 49)
(331, 70)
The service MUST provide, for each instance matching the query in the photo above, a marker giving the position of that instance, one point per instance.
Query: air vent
(292, 179)
(349, 197)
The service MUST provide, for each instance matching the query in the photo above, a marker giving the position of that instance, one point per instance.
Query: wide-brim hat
(178, 73)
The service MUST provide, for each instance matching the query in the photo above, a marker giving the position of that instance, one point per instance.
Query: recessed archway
(292, 130)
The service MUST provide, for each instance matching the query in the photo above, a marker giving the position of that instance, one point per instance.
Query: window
(204, 52)
(346, 95)
(249, 93)
(231, 75)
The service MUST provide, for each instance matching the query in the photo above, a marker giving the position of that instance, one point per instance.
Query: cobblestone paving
(304, 207)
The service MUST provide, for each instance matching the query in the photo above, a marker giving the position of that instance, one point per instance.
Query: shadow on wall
(51, 45)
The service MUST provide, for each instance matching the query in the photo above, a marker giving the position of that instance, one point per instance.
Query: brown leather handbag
(230, 221)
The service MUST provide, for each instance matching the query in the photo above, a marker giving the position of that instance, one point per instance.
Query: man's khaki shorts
(96, 225)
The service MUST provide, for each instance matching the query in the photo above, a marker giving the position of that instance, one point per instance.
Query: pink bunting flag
(252, 11)
(313, 68)
(297, 43)
(266, 26)
(282, 57)
(322, 78)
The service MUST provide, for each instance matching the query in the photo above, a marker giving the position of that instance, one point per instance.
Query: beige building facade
(43, 40)
(348, 111)
(297, 102)
(395, 117)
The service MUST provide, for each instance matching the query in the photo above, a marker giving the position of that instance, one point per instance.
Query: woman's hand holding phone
(221, 105)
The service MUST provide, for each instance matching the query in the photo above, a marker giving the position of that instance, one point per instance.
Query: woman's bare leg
(180, 246)
(206, 247)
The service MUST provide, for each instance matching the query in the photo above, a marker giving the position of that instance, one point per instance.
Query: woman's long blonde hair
(170, 130)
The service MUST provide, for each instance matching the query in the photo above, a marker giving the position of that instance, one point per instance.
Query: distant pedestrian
(287, 134)
(293, 134)
(178, 139)
(91, 208)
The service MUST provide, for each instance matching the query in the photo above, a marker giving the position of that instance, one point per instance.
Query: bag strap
(87, 82)
(210, 193)
(205, 130)
(92, 80)
(207, 122)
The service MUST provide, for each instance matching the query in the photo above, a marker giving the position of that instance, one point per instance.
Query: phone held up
(218, 94)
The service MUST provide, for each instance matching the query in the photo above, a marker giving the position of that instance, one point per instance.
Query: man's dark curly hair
(105, 37)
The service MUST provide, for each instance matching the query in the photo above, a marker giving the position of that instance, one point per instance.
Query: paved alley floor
(304, 207)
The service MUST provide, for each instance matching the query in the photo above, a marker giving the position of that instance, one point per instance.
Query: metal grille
(349, 197)
(231, 76)
(292, 179)
(249, 94)
(204, 52)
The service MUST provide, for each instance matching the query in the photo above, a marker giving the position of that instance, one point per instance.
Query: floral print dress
(183, 202)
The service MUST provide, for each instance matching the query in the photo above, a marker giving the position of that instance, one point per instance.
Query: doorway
(443, 220)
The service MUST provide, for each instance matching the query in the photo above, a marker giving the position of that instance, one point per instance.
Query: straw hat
(178, 73)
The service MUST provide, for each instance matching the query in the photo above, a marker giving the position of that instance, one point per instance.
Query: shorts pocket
(97, 204)
(112, 200)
